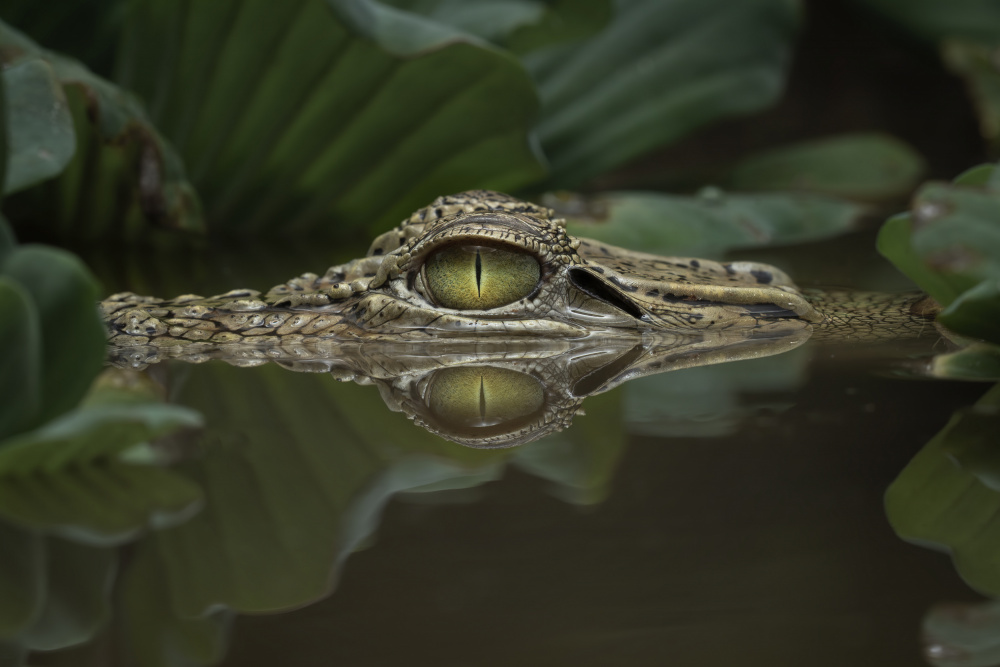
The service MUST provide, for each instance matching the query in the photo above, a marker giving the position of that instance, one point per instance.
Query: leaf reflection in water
(949, 494)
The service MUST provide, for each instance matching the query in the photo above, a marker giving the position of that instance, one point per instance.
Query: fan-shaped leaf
(661, 69)
(323, 116)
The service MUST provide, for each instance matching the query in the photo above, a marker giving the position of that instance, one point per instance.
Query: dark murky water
(715, 515)
(765, 546)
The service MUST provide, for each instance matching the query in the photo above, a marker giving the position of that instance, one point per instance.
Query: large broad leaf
(63, 293)
(660, 70)
(949, 494)
(40, 128)
(863, 166)
(708, 223)
(976, 310)
(122, 175)
(324, 116)
(950, 246)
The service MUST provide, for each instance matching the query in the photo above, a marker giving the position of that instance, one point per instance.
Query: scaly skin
(585, 287)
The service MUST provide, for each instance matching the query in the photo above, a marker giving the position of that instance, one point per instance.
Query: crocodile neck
(860, 316)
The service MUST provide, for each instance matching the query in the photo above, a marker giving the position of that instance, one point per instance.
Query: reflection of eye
(472, 277)
(483, 396)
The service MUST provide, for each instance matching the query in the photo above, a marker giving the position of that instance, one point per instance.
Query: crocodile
(482, 263)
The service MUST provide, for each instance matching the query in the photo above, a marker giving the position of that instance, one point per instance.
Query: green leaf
(20, 358)
(72, 334)
(99, 503)
(711, 222)
(863, 166)
(979, 176)
(976, 312)
(950, 246)
(947, 495)
(122, 175)
(40, 127)
(662, 69)
(91, 433)
(957, 234)
(894, 243)
(315, 116)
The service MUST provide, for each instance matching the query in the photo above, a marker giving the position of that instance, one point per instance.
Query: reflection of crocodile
(497, 392)
(484, 263)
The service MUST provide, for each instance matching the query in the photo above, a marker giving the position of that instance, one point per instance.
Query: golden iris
(473, 277)
(483, 395)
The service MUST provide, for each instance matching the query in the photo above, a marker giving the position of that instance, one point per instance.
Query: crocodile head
(482, 262)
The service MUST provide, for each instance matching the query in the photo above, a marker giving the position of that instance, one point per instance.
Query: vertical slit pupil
(479, 274)
(482, 399)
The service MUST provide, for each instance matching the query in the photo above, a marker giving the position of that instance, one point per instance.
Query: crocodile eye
(473, 277)
(480, 396)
